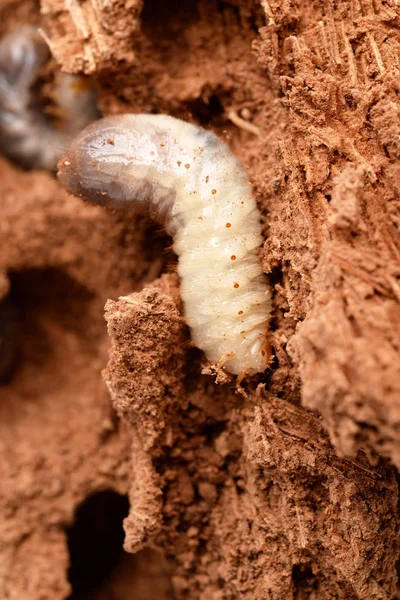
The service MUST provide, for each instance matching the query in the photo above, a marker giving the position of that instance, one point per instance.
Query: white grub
(188, 179)
(27, 136)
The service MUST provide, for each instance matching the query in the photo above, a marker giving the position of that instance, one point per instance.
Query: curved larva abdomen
(26, 135)
(185, 177)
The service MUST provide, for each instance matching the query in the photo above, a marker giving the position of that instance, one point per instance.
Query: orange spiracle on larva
(139, 163)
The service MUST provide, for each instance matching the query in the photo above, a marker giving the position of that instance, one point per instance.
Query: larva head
(93, 166)
(125, 162)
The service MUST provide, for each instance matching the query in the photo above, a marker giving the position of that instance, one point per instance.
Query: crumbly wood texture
(286, 493)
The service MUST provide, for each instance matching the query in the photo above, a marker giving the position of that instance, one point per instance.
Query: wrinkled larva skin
(186, 178)
(26, 136)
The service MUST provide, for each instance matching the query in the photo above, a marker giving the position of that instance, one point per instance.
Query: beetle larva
(27, 136)
(188, 179)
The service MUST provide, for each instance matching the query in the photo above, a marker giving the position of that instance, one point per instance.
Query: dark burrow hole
(276, 275)
(168, 18)
(165, 19)
(99, 567)
(52, 292)
(95, 542)
(304, 581)
(36, 294)
(266, 376)
(205, 109)
(8, 340)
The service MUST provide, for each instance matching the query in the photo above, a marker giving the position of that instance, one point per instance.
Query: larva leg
(224, 359)
(240, 378)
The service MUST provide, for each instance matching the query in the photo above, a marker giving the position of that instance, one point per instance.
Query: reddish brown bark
(287, 492)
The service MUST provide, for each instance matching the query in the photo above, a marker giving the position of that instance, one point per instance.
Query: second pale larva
(186, 178)
(27, 135)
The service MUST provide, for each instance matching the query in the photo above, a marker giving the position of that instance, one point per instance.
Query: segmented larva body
(186, 178)
(27, 136)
